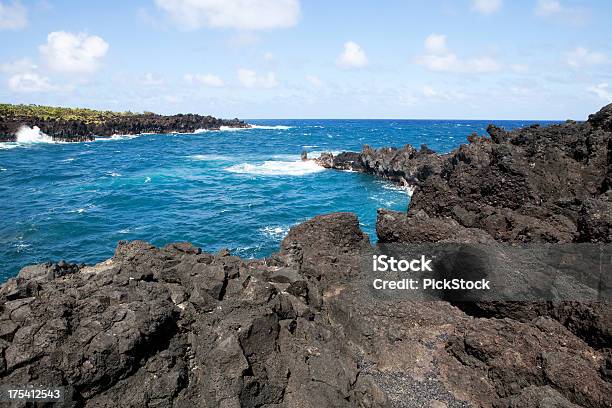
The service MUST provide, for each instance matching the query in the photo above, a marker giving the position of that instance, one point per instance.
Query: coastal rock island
(79, 125)
(178, 327)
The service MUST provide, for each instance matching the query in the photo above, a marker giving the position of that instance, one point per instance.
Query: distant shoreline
(81, 125)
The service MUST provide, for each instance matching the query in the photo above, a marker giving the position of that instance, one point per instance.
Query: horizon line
(449, 119)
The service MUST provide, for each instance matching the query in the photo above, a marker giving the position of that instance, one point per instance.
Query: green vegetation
(89, 116)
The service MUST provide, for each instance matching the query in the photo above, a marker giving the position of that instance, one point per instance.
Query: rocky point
(178, 327)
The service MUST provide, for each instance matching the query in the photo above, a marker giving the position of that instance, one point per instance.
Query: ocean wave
(8, 145)
(315, 154)
(82, 209)
(275, 232)
(27, 135)
(129, 230)
(386, 202)
(271, 127)
(396, 187)
(232, 129)
(119, 137)
(277, 168)
(208, 157)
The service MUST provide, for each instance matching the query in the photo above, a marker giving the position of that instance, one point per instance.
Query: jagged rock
(77, 130)
(536, 397)
(178, 327)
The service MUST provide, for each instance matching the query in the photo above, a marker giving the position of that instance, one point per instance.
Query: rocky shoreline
(177, 327)
(70, 125)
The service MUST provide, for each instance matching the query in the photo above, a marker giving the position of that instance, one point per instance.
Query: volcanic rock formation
(79, 125)
(177, 327)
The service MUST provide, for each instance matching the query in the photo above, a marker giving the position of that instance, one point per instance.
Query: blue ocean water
(240, 189)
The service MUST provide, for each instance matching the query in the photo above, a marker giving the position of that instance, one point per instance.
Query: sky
(461, 59)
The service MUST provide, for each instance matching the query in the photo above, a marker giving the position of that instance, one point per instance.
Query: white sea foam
(263, 127)
(208, 157)
(317, 153)
(382, 200)
(27, 134)
(277, 168)
(286, 157)
(201, 131)
(129, 230)
(118, 137)
(8, 145)
(113, 174)
(275, 127)
(82, 209)
(2, 169)
(395, 187)
(276, 232)
(148, 180)
(232, 129)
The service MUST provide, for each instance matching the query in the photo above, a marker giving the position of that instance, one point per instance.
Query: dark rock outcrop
(178, 327)
(535, 184)
(175, 326)
(406, 165)
(79, 130)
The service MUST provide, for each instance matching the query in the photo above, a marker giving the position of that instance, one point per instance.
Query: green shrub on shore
(89, 116)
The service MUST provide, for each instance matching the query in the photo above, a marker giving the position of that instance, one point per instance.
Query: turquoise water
(240, 189)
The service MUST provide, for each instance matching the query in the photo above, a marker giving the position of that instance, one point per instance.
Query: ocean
(237, 189)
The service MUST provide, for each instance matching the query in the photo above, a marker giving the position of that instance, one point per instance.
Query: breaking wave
(209, 157)
(119, 137)
(275, 127)
(264, 127)
(276, 232)
(27, 134)
(277, 168)
(396, 187)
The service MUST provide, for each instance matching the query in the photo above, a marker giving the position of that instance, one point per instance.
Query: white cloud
(602, 90)
(486, 6)
(151, 79)
(29, 82)
(547, 8)
(73, 53)
(554, 8)
(239, 14)
(204, 79)
(18, 66)
(436, 44)
(440, 59)
(13, 17)
(519, 68)
(431, 93)
(314, 80)
(250, 79)
(353, 56)
(580, 57)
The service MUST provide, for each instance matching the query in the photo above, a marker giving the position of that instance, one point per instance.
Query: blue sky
(465, 59)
